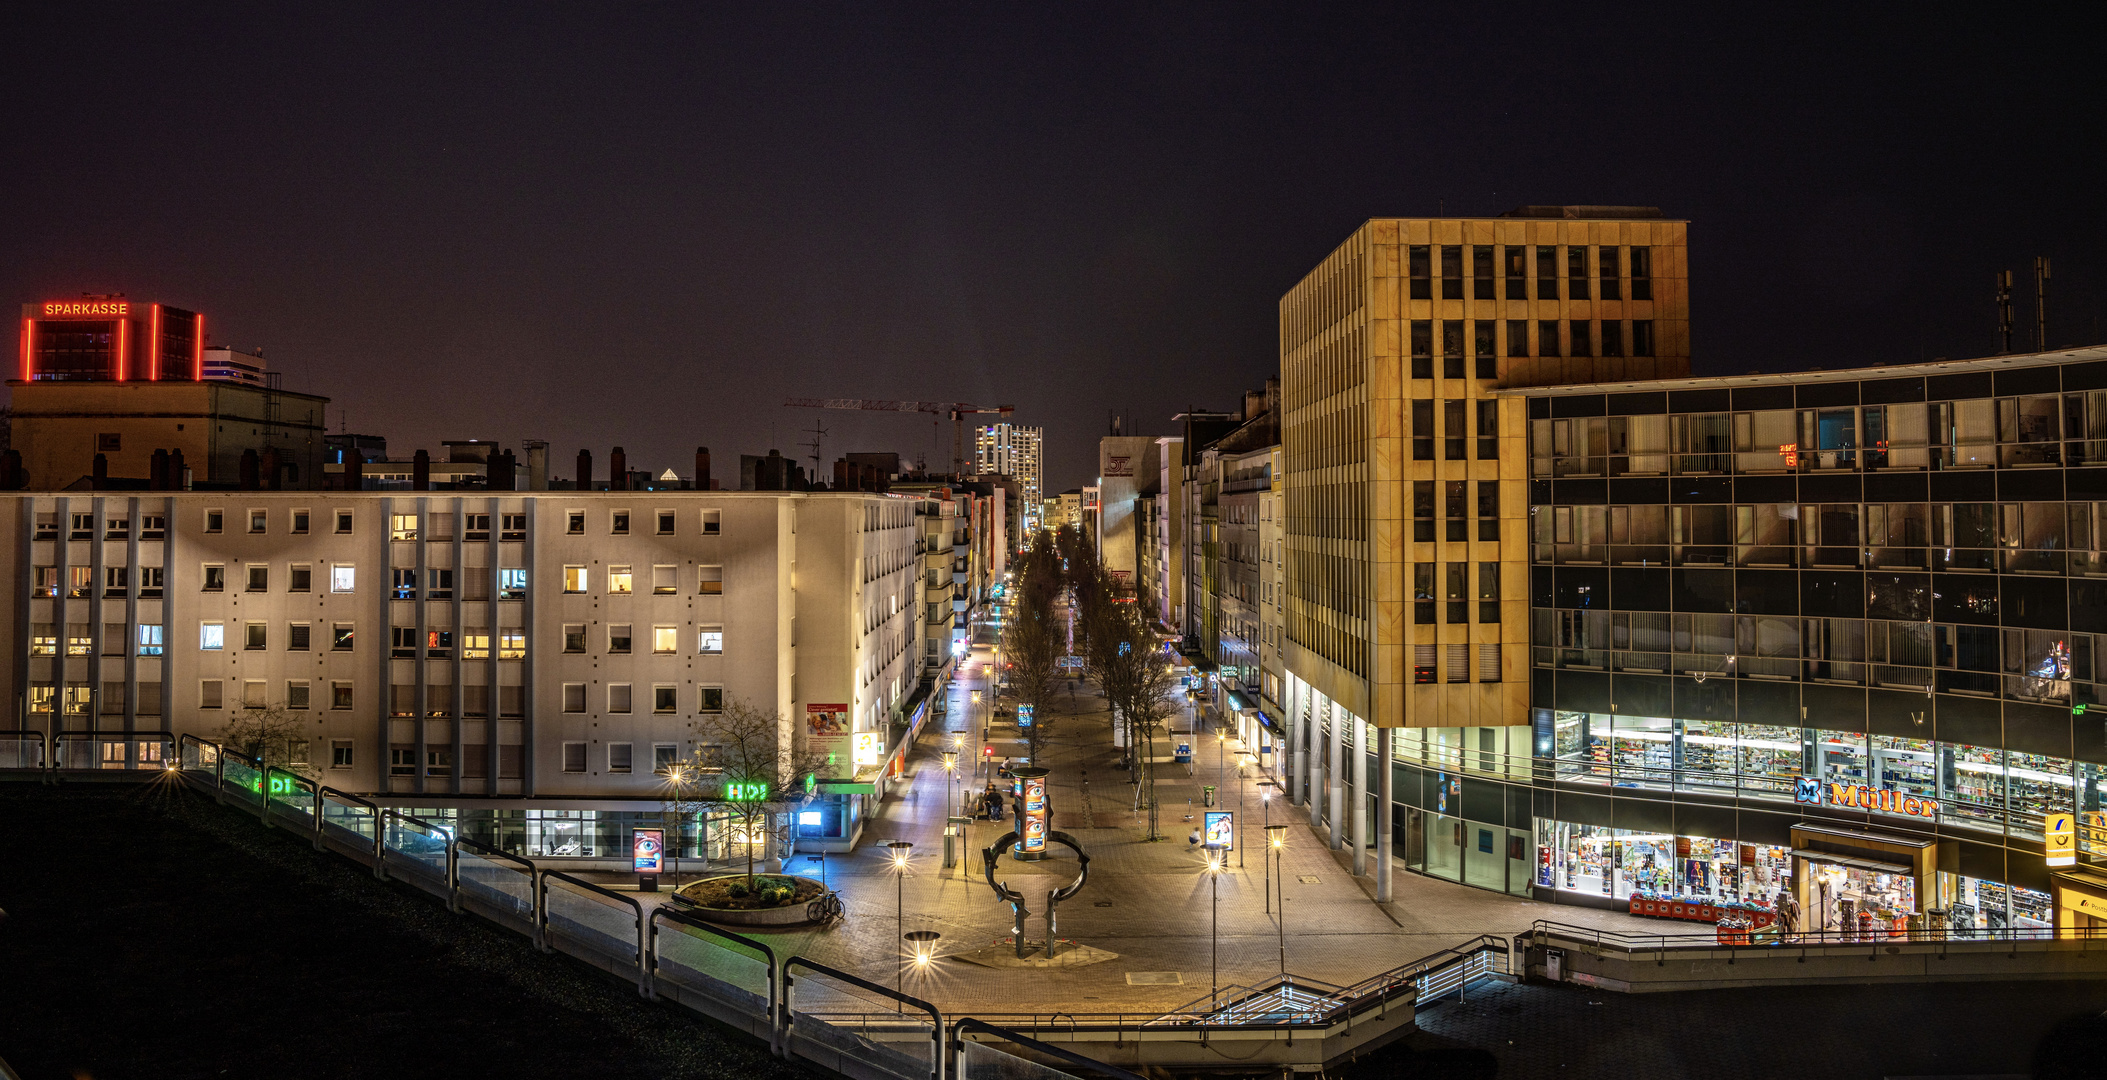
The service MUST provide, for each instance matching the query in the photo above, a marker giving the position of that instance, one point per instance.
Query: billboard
(827, 732)
(647, 849)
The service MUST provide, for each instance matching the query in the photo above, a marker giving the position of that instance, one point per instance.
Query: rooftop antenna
(818, 433)
(2004, 311)
(2041, 303)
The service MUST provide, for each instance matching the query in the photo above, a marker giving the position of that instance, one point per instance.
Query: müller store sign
(1858, 797)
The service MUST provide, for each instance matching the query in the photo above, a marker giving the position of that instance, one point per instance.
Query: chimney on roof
(421, 471)
(102, 471)
(702, 469)
(537, 465)
(502, 467)
(157, 471)
(178, 473)
(249, 466)
(618, 470)
(585, 470)
(354, 471)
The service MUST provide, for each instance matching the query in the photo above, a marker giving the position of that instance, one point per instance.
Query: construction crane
(957, 410)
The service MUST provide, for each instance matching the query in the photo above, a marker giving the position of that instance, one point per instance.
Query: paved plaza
(1150, 903)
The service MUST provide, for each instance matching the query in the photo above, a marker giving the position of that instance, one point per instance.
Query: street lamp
(900, 849)
(1265, 806)
(1277, 843)
(1214, 933)
(951, 766)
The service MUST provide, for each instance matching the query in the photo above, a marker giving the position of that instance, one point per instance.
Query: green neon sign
(280, 785)
(752, 792)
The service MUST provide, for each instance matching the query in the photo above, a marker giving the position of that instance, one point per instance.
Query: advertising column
(1029, 790)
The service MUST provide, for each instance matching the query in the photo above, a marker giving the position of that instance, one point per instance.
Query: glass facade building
(1871, 603)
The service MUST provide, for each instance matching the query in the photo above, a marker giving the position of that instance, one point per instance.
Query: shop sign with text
(1858, 797)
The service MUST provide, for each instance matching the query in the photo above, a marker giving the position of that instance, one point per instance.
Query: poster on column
(827, 732)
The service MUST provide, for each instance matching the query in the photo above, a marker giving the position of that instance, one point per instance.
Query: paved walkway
(1151, 903)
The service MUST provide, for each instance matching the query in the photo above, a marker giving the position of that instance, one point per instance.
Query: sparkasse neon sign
(54, 308)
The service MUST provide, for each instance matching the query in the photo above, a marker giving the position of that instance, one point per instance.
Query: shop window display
(1858, 901)
(1621, 864)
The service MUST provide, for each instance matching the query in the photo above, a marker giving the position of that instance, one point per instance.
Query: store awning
(1855, 863)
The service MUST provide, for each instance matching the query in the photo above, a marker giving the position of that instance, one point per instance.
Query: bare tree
(1131, 667)
(267, 733)
(750, 770)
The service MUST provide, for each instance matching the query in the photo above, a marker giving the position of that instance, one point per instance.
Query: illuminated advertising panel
(1220, 829)
(647, 850)
(869, 747)
(1029, 788)
(827, 733)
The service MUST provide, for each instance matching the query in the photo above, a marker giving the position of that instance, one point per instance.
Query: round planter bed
(711, 900)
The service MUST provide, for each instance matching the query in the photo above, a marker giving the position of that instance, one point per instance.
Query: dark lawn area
(152, 933)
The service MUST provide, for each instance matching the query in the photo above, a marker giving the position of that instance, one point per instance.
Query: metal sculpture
(993, 854)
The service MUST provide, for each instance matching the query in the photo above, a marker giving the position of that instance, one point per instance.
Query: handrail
(965, 1024)
(21, 735)
(379, 868)
(687, 920)
(935, 1018)
(445, 833)
(643, 945)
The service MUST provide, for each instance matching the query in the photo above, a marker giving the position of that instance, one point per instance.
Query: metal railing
(1636, 944)
(801, 1007)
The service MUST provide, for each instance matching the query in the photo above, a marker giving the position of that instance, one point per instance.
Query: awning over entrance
(1860, 864)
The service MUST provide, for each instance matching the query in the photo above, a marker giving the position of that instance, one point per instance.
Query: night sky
(646, 224)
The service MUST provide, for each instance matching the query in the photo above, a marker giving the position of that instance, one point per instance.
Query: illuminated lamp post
(1215, 867)
(900, 849)
(1265, 806)
(951, 767)
(1277, 843)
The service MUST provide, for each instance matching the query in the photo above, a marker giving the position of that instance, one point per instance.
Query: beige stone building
(1407, 556)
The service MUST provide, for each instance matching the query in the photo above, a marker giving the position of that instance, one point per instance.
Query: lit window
(475, 645)
(512, 583)
(575, 579)
(149, 639)
(710, 641)
(402, 527)
(618, 579)
(212, 635)
(512, 645)
(342, 579)
(44, 640)
(665, 639)
(712, 580)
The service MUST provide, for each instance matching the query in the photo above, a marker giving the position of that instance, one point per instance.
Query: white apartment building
(522, 663)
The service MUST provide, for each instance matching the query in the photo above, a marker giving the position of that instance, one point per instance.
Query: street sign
(2060, 839)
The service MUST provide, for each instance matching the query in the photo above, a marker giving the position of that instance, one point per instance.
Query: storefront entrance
(2081, 903)
(1854, 883)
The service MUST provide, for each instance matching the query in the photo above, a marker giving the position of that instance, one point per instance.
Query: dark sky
(645, 224)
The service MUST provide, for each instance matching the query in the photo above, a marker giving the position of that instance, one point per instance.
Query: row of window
(665, 698)
(1454, 434)
(1444, 588)
(343, 579)
(2049, 429)
(151, 527)
(2018, 537)
(2055, 666)
(436, 526)
(1554, 337)
(1513, 263)
(1455, 510)
(621, 757)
